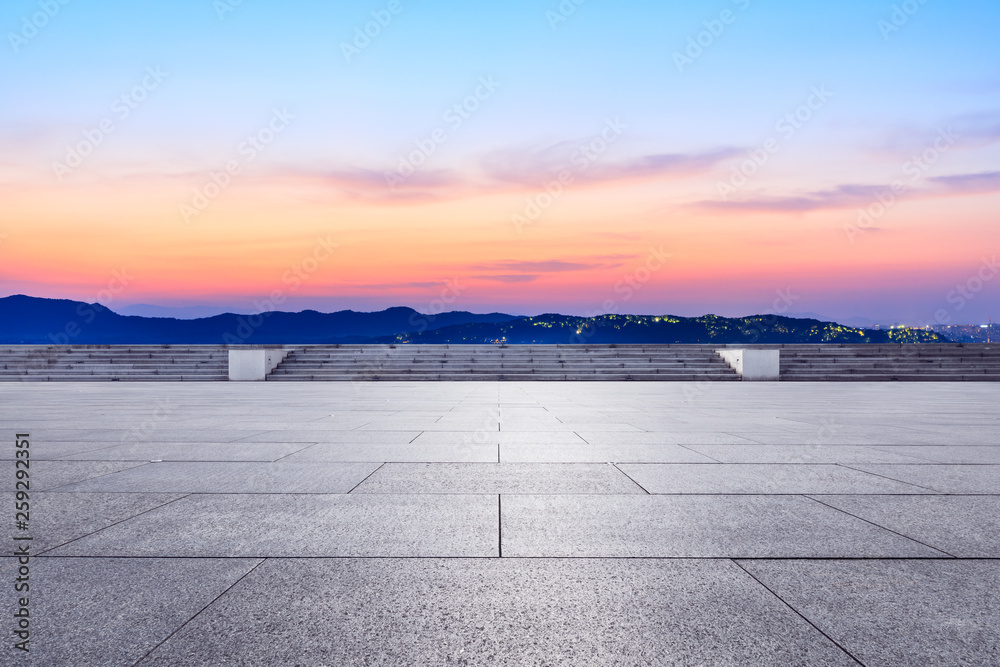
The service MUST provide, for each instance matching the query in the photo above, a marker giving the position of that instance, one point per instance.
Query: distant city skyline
(733, 157)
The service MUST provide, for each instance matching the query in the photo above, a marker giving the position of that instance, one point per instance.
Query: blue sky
(895, 79)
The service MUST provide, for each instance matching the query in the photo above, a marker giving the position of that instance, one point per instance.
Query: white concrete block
(753, 365)
(247, 365)
(761, 365)
(253, 365)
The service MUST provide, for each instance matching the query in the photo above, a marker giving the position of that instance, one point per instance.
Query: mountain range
(32, 320)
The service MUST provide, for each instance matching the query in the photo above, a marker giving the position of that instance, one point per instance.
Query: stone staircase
(507, 362)
(125, 363)
(157, 363)
(954, 362)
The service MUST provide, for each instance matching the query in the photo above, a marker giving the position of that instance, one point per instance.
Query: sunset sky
(729, 156)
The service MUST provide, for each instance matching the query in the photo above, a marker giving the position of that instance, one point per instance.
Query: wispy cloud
(971, 131)
(988, 181)
(977, 130)
(371, 185)
(531, 167)
(661, 165)
(619, 257)
(404, 285)
(592, 262)
(502, 171)
(853, 195)
(550, 266)
(842, 196)
(510, 278)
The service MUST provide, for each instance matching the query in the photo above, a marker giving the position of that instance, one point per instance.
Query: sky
(727, 156)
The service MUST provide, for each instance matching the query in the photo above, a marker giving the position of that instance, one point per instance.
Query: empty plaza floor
(493, 523)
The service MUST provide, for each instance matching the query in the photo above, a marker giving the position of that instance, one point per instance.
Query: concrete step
(144, 363)
(114, 378)
(111, 363)
(892, 377)
(903, 363)
(512, 377)
(489, 366)
(491, 362)
(889, 364)
(534, 371)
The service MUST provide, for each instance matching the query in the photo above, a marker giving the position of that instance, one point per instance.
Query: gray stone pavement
(506, 523)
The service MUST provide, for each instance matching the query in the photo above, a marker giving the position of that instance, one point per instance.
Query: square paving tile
(760, 478)
(125, 435)
(944, 478)
(963, 526)
(192, 451)
(353, 437)
(493, 612)
(594, 437)
(548, 424)
(304, 525)
(48, 475)
(45, 450)
(946, 454)
(108, 612)
(584, 453)
(214, 477)
(804, 454)
(692, 527)
(896, 613)
(496, 478)
(57, 518)
(402, 453)
(407, 424)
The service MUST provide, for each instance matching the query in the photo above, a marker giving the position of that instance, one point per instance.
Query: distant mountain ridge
(177, 312)
(32, 320)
